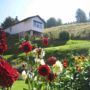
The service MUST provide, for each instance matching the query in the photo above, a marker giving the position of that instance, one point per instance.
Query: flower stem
(28, 83)
(28, 73)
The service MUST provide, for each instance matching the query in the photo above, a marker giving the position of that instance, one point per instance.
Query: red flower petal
(26, 47)
(7, 74)
(52, 60)
(45, 41)
(44, 70)
(51, 77)
(65, 63)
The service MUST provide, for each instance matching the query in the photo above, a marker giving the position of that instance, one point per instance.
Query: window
(37, 24)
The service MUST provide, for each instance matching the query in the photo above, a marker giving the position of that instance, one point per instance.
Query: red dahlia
(7, 74)
(44, 70)
(51, 77)
(65, 63)
(26, 47)
(52, 60)
(45, 41)
(3, 47)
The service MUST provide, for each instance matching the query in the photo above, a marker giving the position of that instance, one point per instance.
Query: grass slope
(71, 28)
(72, 46)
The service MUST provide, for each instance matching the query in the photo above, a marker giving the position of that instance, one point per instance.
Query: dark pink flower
(65, 63)
(3, 48)
(51, 77)
(52, 60)
(45, 41)
(7, 74)
(26, 47)
(44, 70)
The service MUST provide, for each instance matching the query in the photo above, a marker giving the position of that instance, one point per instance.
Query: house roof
(26, 20)
(30, 18)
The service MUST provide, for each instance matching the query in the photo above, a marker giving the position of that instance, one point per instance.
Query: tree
(59, 22)
(16, 19)
(64, 36)
(51, 22)
(80, 16)
(9, 22)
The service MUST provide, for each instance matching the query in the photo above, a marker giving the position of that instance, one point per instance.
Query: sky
(63, 9)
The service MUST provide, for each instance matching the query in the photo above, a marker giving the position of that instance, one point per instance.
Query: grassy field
(71, 47)
(82, 29)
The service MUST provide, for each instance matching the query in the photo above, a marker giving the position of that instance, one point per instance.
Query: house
(32, 25)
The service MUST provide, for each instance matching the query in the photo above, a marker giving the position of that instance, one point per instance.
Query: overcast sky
(64, 9)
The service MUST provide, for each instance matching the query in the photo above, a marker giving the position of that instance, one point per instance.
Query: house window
(37, 24)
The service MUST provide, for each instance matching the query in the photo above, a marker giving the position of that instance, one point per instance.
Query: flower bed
(46, 74)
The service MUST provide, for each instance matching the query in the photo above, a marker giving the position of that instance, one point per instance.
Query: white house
(34, 24)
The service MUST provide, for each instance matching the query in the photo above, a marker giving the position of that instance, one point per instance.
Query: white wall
(35, 28)
(25, 26)
(20, 27)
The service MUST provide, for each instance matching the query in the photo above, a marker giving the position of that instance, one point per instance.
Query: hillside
(79, 29)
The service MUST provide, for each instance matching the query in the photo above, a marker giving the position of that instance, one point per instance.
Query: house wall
(25, 26)
(37, 28)
(20, 27)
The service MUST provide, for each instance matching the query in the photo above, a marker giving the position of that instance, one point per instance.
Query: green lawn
(71, 45)
(19, 85)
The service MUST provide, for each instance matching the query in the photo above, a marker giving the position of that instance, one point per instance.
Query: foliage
(64, 36)
(59, 22)
(51, 22)
(81, 16)
(9, 21)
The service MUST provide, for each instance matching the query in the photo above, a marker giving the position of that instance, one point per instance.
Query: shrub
(64, 36)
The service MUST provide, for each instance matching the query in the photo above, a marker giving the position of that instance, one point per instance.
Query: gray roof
(27, 19)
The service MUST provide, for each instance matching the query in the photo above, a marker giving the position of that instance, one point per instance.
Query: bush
(64, 36)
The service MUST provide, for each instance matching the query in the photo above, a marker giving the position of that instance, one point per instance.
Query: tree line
(51, 22)
(9, 21)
